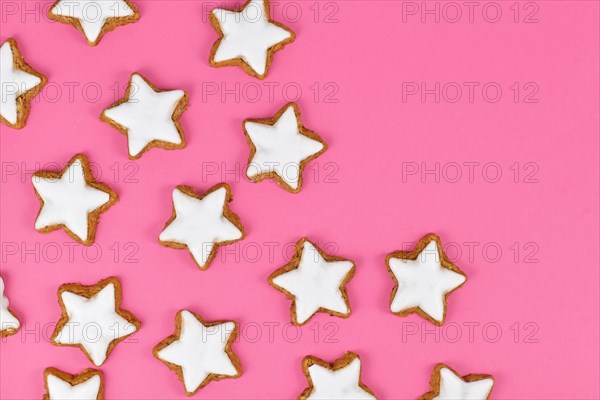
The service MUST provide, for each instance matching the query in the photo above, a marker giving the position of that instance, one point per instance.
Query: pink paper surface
(509, 181)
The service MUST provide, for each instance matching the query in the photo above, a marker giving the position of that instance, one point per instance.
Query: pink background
(358, 196)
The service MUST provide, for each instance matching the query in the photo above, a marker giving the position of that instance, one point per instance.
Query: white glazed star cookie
(87, 385)
(339, 380)
(19, 83)
(200, 352)
(9, 324)
(315, 281)
(202, 223)
(148, 116)
(446, 384)
(92, 318)
(72, 200)
(94, 18)
(248, 38)
(280, 148)
(424, 278)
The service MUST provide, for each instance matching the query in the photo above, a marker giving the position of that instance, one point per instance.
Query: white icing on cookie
(13, 83)
(248, 35)
(8, 322)
(315, 283)
(68, 200)
(93, 323)
(280, 148)
(62, 390)
(200, 351)
(200, 224)
(147, 115)
(337, 385)
(92, 14)
(423, 282)
(453, 387)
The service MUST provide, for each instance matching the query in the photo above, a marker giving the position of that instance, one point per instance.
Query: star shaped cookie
(87, 385)
(248, 38)
(339, 380)
(19, 83)
(92, 318)
(9, 324)
(315, 281)
(200, 352)
(202, 223)
(446, 384)
(280, 148)
(94, 18)
(148, 116)
(72, 200)
(424, 277)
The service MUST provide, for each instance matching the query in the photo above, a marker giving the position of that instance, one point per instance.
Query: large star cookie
(446, 384)
(315, 281)
(424, 277)
(248, 38)
(148, 116)
(200, 352)
(202, 223)
(9, 324)
(339, 380)
(280, 148)
(94, 18)
(72, 200)
(19, 83)
(92, 318)
(86, 385)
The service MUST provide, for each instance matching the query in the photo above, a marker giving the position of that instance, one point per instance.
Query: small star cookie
(248, 38)
(200, 352)
(19, 83)
(72, 200)
(86, 385)
(92, 318)
(94, 18)
(280, 148)
(446, 384)
(339, 380)
(424, 278)
(9, 324)
(315, 281)
(202, 223)
(148, 116)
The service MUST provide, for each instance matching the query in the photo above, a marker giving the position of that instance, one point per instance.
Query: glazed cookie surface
(97, 306)
(9, 324)
(72, 200)
(200, 352)
(424, 277)
(447, 384)
(315, 281)
(19, 83)
(248, 38)
(87, 385)
(280, 148)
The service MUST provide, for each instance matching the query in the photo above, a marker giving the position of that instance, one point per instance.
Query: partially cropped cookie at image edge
(87, 385)
(200, 352)
(339, 380)
(281, 147)
(315, 282)
(424, 278)
(448, 384)
(92, 318)
(9, 323)
(148, 116)
(248, 38)
(72, 200)
(201, 223)
(94, 18)
(19, 84)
